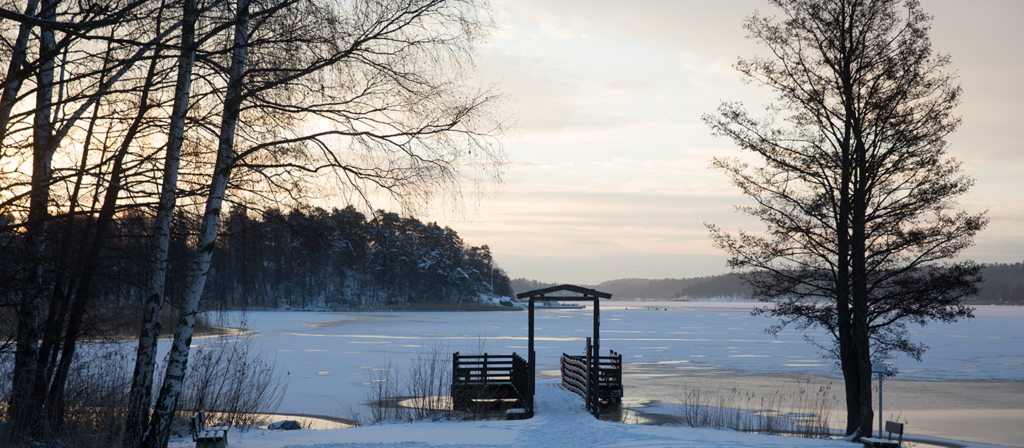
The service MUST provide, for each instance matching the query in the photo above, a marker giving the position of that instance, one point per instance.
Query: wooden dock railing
(600, 389)
(490, 378)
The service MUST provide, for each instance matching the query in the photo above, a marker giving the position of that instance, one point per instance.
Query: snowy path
(561, 421)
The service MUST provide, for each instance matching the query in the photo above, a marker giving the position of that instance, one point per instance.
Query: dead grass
(125, 323)
(417, 393)
(230, 377)
(233, 380)
(809, 411)
(113, 323)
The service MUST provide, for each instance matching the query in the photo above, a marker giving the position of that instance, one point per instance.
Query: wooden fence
(598, 390)
(486, 380)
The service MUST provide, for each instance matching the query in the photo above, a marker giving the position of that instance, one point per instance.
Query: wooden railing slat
(491, 374)
(608, 376)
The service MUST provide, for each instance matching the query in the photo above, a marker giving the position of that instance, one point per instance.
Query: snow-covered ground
(973, 370)
(561, 421)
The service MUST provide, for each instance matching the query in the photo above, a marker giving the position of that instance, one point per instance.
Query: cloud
(543, 166)
(609, 97)
(546, 23)
(592, 243)
(550, 97)
(610, 227)
(589, 269)
(704, 27)
(621, 87)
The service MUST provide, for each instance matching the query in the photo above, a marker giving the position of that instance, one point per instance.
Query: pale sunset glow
(610, 174)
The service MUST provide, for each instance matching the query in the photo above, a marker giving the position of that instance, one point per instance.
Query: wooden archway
(586, 294)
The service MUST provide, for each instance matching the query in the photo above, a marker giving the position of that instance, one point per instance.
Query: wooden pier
(508, 381)
(597, 379)
(490, 383)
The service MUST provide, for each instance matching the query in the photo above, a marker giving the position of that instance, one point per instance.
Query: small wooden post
(597, 327)
(533, 367)
(455, 382)
(455, 368)
(590, 379)
(597, 358)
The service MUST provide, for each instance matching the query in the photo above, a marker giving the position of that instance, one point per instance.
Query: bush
(420, 393)
(232, 381)
(96, 397)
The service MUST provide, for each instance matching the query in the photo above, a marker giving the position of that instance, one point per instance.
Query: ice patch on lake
(718, 340)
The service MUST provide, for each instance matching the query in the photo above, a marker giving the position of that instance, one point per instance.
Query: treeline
(310, 258)
(524, 284)
(727, 285)
(341, 259)
(1003, 283)
(715, 286)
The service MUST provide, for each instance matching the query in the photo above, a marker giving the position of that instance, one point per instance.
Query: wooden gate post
(455, 381)
(595, 393)
(532, 367)
(590, 378)
(597, 327)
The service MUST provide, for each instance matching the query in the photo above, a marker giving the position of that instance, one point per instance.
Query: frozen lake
(970, 385)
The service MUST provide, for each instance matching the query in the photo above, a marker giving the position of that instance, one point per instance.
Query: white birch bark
(141, 395)
(12, 83)
(158, 433)
(23, 401)
(46, 140)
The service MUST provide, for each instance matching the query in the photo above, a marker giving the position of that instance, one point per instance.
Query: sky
(609, 176)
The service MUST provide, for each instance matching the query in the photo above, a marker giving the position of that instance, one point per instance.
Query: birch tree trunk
(141, 395)
(54, 401)
(24, 403)
(46, 138)
(60, 304)
(158, 433)
(12, 83)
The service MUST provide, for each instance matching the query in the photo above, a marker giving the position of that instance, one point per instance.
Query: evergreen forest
(299, 259)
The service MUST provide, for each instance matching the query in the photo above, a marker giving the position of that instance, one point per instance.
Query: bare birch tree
(372, 95)
(380, 75)
(856, 188)
(67, 79)
(141, 394)
(158, 434)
